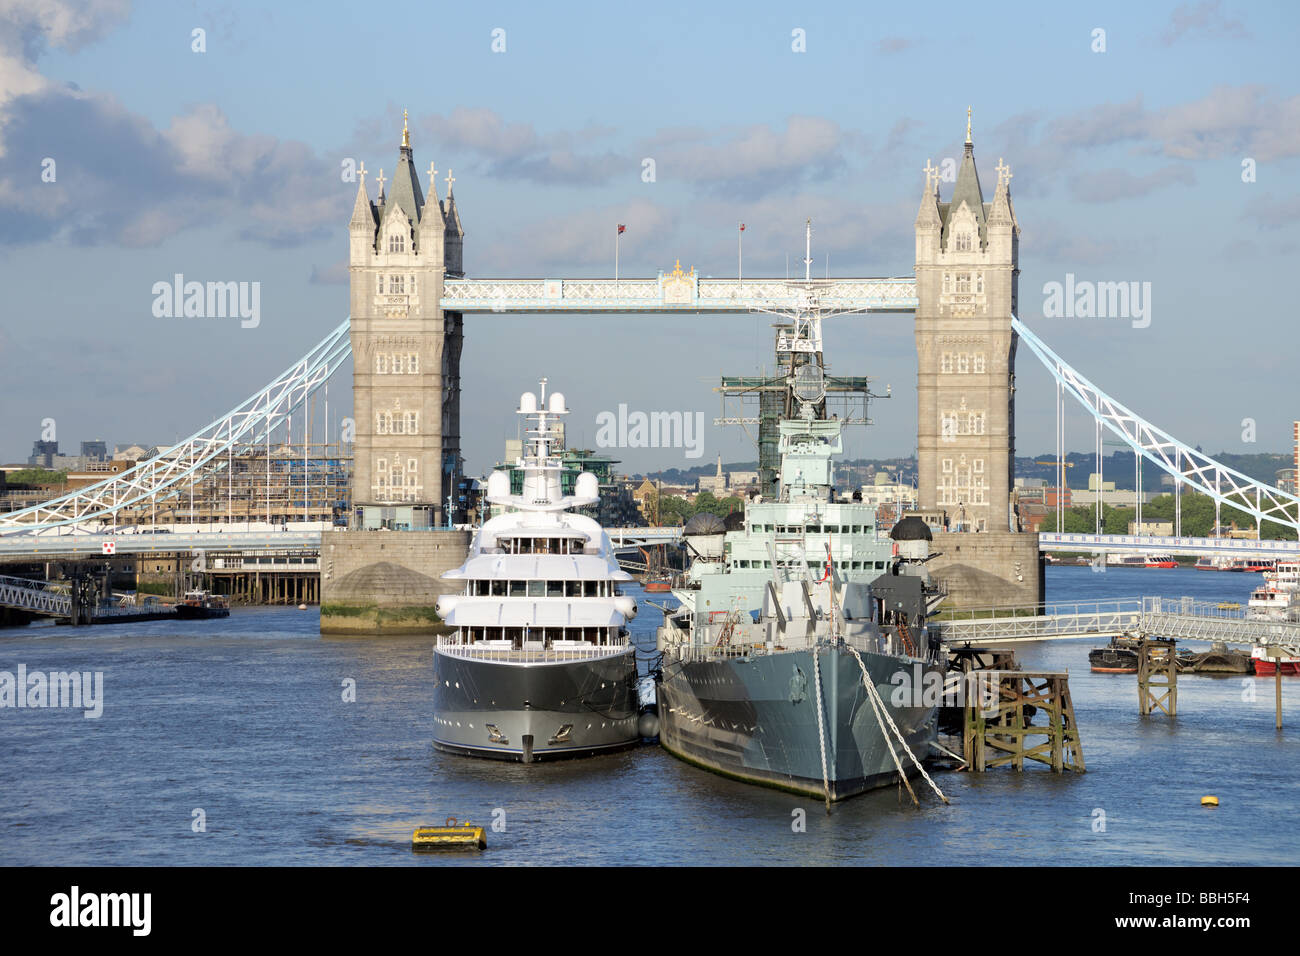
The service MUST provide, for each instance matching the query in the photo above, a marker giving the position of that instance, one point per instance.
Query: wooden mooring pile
(1009, 716)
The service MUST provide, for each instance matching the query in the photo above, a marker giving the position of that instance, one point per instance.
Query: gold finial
(968, 142)
(406, 133)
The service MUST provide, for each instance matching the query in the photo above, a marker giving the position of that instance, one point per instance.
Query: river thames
(242, 724)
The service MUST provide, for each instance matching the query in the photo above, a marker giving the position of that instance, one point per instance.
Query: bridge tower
(967, 268)
(406, 351)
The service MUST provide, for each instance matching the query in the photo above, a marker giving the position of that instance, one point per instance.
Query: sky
(1153, 143)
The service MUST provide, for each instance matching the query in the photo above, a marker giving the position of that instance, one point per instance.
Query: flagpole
(618, 233)
(740, 253)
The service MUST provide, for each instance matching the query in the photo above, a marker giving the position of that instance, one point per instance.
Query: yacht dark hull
(520, 712)
(755, 719)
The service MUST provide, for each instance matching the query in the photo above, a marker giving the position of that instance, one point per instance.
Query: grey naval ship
(798, 652)
(539, 665)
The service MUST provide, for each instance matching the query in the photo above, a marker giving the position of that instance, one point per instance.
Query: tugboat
(1120, 656)
(200, 605)
(538, 665)
(799, 657)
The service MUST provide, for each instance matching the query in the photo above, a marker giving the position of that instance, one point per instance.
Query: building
(967, 268)
(406, 382)
(742, 479)
(1152, 527)
(715, 483)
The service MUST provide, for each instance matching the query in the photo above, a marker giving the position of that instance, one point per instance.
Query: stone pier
(386, 582)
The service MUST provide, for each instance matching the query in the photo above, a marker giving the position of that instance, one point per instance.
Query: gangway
(1182, 618)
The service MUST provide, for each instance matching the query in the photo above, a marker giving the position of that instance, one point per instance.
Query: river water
(244, 719)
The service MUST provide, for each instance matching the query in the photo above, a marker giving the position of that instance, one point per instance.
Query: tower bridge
(409, 296)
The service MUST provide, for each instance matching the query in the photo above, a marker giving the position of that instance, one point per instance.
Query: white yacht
(539, 664)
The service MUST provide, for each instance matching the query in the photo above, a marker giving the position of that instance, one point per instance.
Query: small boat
(1266, 666)
(1268, 603)
(659, 585)
(1213, 562)
(1141, 560)
(200, 605)
(1120, 656)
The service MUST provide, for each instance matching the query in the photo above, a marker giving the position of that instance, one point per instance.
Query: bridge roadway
(94, 545)
(677, 292)
(1185, 619)
(48, 543)
(1155, 544)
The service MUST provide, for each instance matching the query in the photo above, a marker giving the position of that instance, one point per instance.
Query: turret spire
(968, 139)
(406, 133)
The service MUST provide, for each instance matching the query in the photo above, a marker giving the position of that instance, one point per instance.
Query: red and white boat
(1267, 666)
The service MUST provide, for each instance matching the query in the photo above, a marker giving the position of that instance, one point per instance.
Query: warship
(799, 655)
(539, 664)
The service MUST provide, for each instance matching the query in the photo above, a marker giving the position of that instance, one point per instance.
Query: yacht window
(518, 588)
(589, 588)
(499, 588)
(555, 589)
(537, 589)
(573, 589)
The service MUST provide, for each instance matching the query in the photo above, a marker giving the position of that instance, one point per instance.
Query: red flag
(621, 229)
(742, 227)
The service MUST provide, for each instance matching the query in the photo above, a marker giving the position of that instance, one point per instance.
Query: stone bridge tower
(967, 256)
(406, 351)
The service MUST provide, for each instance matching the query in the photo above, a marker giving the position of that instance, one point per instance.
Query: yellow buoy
(1209, 801)
(449, 836)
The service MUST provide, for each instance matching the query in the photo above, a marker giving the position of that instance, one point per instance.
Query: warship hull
(755, 719)
(534, 711)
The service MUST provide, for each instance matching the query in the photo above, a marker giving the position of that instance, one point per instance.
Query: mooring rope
(892, 753)
(880, 704)
(821, 727)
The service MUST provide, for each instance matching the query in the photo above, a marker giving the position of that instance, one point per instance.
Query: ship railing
(485, 651)
(752, 642)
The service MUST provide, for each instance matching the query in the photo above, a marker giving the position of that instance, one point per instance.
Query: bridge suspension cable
(247, 423)
(1189, 466)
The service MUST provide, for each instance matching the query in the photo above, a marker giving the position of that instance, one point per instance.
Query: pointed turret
(363, 210)
(928, 221)
(431, 222)
(406, 194)
(967, 191)
(453, 233)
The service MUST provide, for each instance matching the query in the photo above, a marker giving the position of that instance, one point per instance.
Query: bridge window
(979, 283)
(397, 242)
(947, 465)
(947, 282)
(979, 362)
(381, 363)
(396, 285)
(412, 423)
(963, 282)
(945, 364)
(397, 364)
(383, 423)
(413, 363)
(963, 363)
(962, 241)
